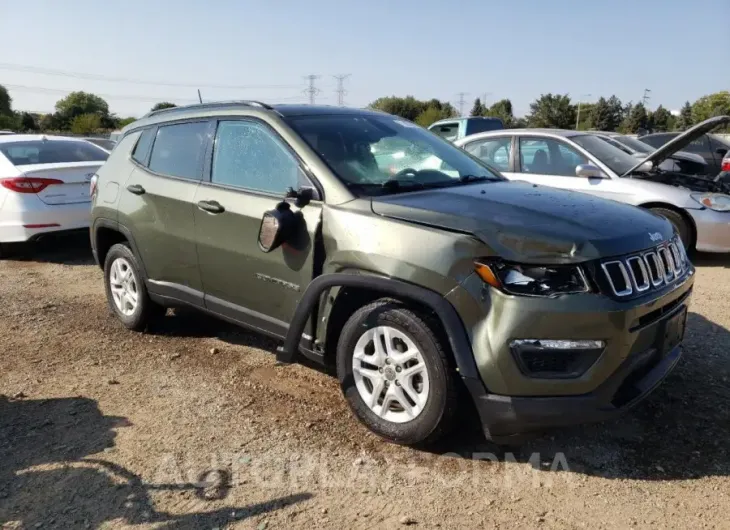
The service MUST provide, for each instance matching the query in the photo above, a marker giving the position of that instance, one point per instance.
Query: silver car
(698, 207)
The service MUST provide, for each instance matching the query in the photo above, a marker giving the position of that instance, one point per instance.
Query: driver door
(249, 172)
(552, 162)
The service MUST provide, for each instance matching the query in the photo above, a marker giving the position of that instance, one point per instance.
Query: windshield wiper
(396, 185)
(478, 178)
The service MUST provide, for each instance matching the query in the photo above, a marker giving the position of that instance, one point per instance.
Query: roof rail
(210, 105)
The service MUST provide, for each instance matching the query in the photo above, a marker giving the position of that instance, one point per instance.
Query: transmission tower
(645, 99)
(311, 90)
(462, 102)
(341, 88)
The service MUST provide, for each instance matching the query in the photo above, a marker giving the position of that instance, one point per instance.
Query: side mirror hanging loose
(276, 227)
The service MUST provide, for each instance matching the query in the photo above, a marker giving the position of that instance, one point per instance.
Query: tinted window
(178, 150)
(143, 146)
(483, 125)
(247, 155)
(102, 142)
(449, 131)
(51, 152)
(546, 156)
(657, 140)
(493, 151)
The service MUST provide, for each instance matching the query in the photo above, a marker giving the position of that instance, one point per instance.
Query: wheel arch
(356, 290)
(107, 233)
(681, 211)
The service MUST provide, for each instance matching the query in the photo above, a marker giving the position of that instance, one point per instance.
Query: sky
(137, 52)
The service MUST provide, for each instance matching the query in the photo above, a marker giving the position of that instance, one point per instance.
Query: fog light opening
(556, 358)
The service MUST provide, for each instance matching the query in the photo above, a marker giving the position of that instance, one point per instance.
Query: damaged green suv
(369, 244)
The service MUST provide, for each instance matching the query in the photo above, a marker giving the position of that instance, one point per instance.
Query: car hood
(681, 141)
(531, 224)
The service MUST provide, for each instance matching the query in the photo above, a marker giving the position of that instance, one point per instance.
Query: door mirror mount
(304, 195)
(589, 171)
(277, 226)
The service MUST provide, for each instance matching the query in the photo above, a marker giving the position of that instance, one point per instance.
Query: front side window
(377, 155)
(657, 140)
(178, 150)
(494, 151)
(547, 156)
(616, 160)
(51, 152)
(247, 155)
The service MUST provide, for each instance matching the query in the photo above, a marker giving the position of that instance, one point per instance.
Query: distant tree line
(558, 111)
(77, 113)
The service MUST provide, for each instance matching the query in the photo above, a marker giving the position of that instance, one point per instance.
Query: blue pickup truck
(453, 129)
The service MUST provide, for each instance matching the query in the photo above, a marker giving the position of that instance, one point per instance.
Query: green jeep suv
(413, 280)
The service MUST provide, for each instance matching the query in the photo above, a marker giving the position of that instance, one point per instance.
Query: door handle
(136, 189)
(211, 207)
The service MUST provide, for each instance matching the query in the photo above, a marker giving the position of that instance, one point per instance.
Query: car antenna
(200, 99)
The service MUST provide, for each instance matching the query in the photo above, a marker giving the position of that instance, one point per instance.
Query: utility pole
(645, 99)
(577, 119)
(311, 90)
(341, 88)
(462, 102)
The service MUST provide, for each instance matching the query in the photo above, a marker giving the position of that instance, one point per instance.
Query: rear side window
(142, 149)
(483, 125)
(51, 152)
(247, 155)
(493, 151)
(448, 131)
(178, 150)
(656, 140)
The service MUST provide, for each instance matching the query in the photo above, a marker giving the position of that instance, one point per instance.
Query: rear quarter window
(29, 152)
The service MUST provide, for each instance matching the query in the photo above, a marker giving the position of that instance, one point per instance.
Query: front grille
(637, 273)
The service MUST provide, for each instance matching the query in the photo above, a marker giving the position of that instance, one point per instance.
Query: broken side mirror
(277, 226)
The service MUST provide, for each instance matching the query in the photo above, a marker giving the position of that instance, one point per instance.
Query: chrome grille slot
(618, 277)
(643, 271)
(655, 268)
(639, 273)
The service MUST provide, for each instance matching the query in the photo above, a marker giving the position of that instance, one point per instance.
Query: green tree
(600, 115)
(478, 109)
(502, 109)
(10, 121)
(660, 119)
(552, 111)
(615, 114)
(6, 102)
(77, 103)
(407, 107)
(125, 121)
(27, 122)
(685, 120)
(85, 123)
(717, 104)
(163, 105)
(429, 116)
(637, 119)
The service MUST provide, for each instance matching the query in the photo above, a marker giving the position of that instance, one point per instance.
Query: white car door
(552, 162)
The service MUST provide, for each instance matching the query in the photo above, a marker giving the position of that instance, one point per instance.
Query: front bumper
(636, 358)
(713, 230)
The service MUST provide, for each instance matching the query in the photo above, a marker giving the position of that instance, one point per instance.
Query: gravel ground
(194, 426)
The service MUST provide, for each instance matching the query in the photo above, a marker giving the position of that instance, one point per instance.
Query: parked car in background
(699, 208)
(452, 129)
(417, 288)
(681, 161)
(708, 146)
(44, 185)
(7, 132)
(106, 144)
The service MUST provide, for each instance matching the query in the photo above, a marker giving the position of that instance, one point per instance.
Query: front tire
(395, 373)
(125, 289)
(680, 225)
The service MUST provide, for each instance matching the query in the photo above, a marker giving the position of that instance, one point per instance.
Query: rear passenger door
(157, 205)
(249, 169)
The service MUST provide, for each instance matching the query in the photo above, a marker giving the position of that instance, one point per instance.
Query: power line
(341, 88)
(96, 77)
(311, 90)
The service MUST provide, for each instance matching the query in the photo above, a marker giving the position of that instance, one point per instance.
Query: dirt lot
(195, 426)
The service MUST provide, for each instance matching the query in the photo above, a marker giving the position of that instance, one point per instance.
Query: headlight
(533, 280)
(713, 201)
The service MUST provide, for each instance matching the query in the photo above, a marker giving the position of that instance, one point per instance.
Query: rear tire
(680, 225)
(126, 291)
(404, 389)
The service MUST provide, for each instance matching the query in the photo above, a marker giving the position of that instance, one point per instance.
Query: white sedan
(44, 185)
